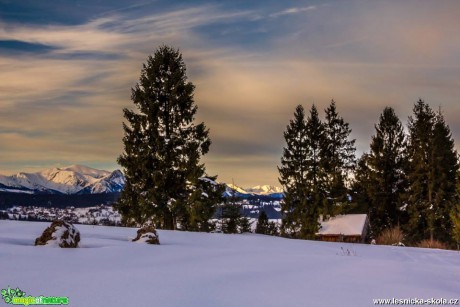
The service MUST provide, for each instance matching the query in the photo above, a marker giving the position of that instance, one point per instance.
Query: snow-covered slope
(68, 180)
(199, 269)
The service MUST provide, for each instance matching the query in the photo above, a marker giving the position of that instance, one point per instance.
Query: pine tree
(301, 175)
(202, 205)
(419, 151)
(162, 145)
(386, 163)
(443, 186)
(360, 188)
(316, 177)
(264, 226)
(432, 175)
(231, 213)
(337, 157)
(245, 224)
(293, 173)
(262, 223)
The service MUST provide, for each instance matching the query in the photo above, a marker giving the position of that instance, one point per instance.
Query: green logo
(18, 297)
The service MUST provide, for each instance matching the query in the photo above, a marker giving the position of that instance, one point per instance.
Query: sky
(67, 68)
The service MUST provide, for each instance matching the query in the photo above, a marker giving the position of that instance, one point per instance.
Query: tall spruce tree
(443, 186)
(432, 175)
(419, 153)
(316, 176)
(293, 173)
(162, 144)
(301, 175)
(337, 157)
(386, 164)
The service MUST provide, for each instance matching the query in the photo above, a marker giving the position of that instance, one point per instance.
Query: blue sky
(67, 67)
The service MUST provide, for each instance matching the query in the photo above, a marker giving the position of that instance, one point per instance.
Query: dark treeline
(407, 180)
(8, 200)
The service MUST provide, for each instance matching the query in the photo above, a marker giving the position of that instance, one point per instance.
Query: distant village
(98, 215)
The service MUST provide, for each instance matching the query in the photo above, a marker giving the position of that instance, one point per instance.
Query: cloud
(294, 10)
(64, 104)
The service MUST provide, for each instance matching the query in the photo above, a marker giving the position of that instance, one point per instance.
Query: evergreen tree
(419, 151)
(316, 176)
(231, 213)
(432, 175)
(245, 224)
(386, 164)
(264, 226)
(262, 223)
(202, 205)
(293, 173)
(361, 197)
(301, 175)
(162, 144)
(337, 157)
(443, 184)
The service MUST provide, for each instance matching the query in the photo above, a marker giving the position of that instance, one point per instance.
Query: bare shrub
(391, 236)
(432, 244)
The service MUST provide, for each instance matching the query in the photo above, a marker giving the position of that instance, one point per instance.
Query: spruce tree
(245, 224)
(264, 226)
(162, 144)
(262, 223)
(301, 175)
(419, 153)
(386, 165)
(316, 176)
(293, 173)
(443, 184)
(337, 157)
(202, 205)
(360, 188)
(432, 175)
(231, 213)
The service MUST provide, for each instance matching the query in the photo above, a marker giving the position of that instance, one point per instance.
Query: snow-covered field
(198, 269)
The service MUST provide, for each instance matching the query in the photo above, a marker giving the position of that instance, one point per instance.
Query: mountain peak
(74, 179)
(86, 170)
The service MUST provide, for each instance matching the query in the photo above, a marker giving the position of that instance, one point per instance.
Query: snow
(200, 269)
(68, 180)
(16, 191)
(88, 171)
(264, 189)
(349, 225)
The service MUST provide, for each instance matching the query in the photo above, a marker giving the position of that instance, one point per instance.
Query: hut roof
(348, 225)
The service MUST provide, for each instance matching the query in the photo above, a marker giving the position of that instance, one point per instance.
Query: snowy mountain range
(75, 179)
(260, 190)
(79, 179)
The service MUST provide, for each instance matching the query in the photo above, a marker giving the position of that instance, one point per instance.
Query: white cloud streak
(294, 10)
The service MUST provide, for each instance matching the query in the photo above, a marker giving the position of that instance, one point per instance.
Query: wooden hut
(350, 228)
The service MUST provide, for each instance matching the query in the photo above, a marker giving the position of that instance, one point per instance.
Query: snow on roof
(348, 225)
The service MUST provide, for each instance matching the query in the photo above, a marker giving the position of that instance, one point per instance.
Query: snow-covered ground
(199, 269)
